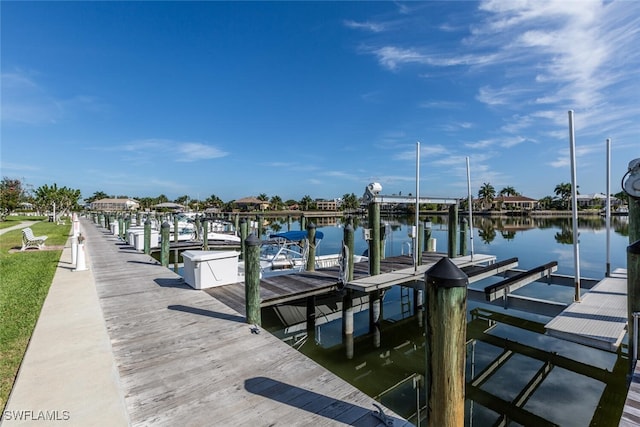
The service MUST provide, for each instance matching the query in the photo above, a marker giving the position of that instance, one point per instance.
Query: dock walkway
(289, 287)
(185, 358)
(599, 320)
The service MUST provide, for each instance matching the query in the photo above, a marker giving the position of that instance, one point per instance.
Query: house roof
(110, 200)
(251, 201)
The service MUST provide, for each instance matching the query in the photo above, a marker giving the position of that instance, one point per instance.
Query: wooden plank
(631, 411)
(599, 319)
(186, 358)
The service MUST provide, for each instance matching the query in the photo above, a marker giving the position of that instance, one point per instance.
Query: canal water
(516, 375)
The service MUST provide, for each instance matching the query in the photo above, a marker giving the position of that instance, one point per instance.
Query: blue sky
(317, 98)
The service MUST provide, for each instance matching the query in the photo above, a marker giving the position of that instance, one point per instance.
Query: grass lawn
(25, 278)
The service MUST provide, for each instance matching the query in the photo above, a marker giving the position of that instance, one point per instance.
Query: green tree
(486, 194)
(350, 202)
(11, 194)
(96, 196)
(214, 201)
(63, 200)
(622, 196)
(305, 202)
(263, 197)
(563, 191)
(546, 202)
(182, 200)
(276, 203)
(145, 202)
(508, 191)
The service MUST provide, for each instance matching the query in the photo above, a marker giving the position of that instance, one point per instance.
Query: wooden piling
(260, 222)
(243, 236)
(252, 279)
(311, 318)
(120, 226)
(311, 241)
(303, 222)
(147, 236)
(375, 314)
(164, 247)
(445, 333)
(464, 229)
(374, 242)
(205, 234)
(452, 245)
(634, 219)
(427, 237)
(349, 241)
(420, 243)
(197, 228)
(175, 229)
(633, 295)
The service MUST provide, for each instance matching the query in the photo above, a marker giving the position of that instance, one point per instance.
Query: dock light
(632, 185)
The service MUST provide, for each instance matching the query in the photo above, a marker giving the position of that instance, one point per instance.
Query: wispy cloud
(25, 101)
(368, 26)
(145, 150)
(392, 57)
(194, 151)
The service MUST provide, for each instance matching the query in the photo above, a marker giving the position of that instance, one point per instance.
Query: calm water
(540, 379)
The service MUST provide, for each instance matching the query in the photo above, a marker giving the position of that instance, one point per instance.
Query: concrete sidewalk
(68, 375)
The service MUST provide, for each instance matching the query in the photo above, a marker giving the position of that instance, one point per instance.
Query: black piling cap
(634, 248)
(445, 274)
(252, 240)
(311, 225)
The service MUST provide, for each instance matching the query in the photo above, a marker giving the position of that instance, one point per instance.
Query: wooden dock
(290, 287)
(185, 358)
(409, 274)
(631, 412)
(599, 320)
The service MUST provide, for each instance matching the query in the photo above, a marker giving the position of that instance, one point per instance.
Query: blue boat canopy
(296, 235)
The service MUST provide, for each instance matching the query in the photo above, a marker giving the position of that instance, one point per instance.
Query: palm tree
(350, 201)
(263, 197)
(305, 202)
(509, 191)
(486, 194)
(563, 190)
(276, 203)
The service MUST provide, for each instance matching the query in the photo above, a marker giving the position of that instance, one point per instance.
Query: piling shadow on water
(319, 404)
(208, 313)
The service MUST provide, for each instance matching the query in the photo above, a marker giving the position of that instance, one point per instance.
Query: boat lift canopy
(372, 195)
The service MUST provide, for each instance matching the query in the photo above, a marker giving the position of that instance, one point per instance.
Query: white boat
(217, 231)
(287, 253)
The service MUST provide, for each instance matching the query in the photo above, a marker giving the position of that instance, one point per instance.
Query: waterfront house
(252, 204)
(519, 203)
(115, 205)
(326, 205)
(595, 201)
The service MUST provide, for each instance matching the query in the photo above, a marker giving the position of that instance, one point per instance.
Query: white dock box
(136, 239)
(206, 269)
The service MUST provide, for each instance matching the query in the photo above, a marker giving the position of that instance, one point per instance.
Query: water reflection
(515, 374)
